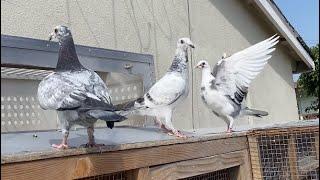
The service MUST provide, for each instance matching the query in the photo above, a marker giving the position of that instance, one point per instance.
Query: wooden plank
(196, 167)
(52, 153)
(108, 162)
(255, 158)
(293, 158)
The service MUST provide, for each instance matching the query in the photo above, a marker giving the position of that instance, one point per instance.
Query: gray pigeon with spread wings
(224, 88)
(78, 94)
(168, 92)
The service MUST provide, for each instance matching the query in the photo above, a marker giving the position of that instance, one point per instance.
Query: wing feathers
(242, 67)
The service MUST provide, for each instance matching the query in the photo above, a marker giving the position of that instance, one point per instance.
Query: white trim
(285, 30)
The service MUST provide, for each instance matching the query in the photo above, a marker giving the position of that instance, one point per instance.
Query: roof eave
(293, 38)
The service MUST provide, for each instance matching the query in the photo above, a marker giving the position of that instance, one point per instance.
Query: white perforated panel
(20, 110)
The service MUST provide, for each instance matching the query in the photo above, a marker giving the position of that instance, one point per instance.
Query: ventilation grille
(21, 73)
(114, 176)
(224, 174)
(285, 154)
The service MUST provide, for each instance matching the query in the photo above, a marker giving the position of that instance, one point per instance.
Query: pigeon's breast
(216, 101)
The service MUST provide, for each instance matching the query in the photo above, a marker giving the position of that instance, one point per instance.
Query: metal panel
(27, 52)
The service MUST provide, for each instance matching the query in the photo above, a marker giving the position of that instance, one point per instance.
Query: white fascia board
(285, 30)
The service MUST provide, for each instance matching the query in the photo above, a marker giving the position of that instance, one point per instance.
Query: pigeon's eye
(203, 64)
(181, 41)
(55, 30)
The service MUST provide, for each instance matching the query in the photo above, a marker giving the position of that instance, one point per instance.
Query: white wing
(166, 91)
(235, 73)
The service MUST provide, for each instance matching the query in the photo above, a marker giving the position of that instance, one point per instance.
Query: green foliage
(308, 83)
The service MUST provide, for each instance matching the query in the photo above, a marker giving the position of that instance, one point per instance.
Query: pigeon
(78, 94)
(224, 88)
(161, 99)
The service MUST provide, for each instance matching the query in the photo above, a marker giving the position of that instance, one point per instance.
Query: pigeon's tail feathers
(128, 105)
(107, 116)
(254, 112)
(131, 107)
(110, 124)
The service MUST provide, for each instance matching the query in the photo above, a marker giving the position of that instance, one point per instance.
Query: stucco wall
(153, 27)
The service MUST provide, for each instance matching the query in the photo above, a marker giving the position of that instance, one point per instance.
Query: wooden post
(255, 158)
(293, 158)
(316, 136)
(245, 172)
(140, 174)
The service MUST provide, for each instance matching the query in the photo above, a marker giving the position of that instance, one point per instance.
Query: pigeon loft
(133, 149)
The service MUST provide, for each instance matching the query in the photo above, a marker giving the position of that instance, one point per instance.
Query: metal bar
(39, 54)
(48, 46)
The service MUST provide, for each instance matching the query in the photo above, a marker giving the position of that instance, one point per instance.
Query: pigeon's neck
(179, 63)
(206, 77)
(68, 59)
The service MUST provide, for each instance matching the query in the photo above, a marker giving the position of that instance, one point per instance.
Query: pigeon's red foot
(60, 146)
(177, 133)
(229, 130)
(89, 145)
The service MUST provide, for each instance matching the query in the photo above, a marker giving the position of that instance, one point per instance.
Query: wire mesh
(291, 153)
(114, 176)
(224, 174)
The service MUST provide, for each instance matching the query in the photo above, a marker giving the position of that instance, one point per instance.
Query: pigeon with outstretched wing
(224, 88)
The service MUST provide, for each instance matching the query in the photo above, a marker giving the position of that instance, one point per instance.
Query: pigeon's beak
(197, 67)
(51, 36)
(190, 44)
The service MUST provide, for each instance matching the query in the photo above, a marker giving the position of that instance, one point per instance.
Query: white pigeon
(78, 94)
(223, 89)
(168, 92)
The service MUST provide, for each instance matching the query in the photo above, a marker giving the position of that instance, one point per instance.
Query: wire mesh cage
(224, 174)
(123, 175)
(288, 153)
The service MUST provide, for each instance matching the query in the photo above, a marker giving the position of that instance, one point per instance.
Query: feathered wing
(67, 92)
(165, 92)
(235, 73)
(99, 88)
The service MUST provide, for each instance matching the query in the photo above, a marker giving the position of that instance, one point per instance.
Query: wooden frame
(72, 167)
(163, 159)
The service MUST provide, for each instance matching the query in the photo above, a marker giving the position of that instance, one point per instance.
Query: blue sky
(303, 16)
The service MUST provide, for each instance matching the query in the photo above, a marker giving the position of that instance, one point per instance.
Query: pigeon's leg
(91, 143)
(169, 126)
(230, 124)
(159, 123)
(64, 143)
(65, 126)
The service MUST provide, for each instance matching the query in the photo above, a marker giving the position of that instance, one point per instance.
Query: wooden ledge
(81, 162)
(21, 147)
